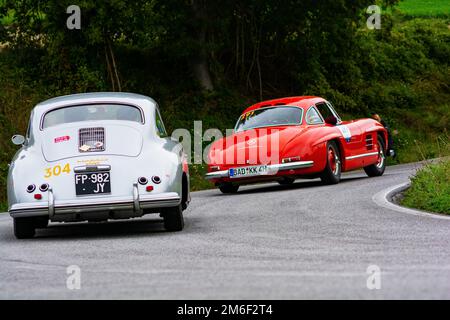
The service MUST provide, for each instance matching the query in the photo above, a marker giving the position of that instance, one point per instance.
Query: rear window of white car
(91, 112)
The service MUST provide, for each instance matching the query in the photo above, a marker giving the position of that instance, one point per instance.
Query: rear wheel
(41, 222)
(228, 188)
(24, 228)
(185, 193)
(332, 172)
(173, 219)
(377, 169)
(286, 181)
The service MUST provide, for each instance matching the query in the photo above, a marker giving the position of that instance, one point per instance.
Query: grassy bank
(430, 189)
(425, 8)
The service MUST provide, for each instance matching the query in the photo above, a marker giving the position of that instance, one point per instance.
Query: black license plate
(92, 183)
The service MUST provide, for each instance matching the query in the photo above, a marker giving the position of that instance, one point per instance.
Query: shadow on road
(300, 184)
(140, 227)
(102, 229)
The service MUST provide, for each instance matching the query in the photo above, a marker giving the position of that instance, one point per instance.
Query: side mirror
(331, 120)
(18, 139)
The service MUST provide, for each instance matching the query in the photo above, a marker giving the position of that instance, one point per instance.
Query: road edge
(384, 199)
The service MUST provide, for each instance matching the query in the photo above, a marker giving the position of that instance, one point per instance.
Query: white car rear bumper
(136, 203)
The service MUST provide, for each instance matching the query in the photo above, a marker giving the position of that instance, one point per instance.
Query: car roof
(299, 101)
(94, 97)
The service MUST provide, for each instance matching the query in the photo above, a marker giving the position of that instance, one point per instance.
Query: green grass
(425, 8)
(9, 17)
(430, 189)
(197, 175)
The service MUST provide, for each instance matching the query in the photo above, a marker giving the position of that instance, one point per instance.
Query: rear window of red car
(270, 117)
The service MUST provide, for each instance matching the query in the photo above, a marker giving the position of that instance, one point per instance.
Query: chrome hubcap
(381, 156)
(334, 161)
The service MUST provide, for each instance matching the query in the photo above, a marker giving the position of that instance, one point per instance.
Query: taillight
(44, 187)
(31, 188)
(143, 180)
(38, 196)
(149, 188)
(291, 159)
(156, 179)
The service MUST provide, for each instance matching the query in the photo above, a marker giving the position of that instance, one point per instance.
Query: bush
(430, 188)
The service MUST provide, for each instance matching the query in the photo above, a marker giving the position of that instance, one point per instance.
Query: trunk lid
(257, 146)
(69, 141)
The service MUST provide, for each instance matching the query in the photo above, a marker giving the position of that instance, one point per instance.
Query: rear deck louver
(91, 139)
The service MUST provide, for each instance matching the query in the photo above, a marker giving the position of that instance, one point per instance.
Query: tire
(228, 188)
(377, 169)
(286, 181)
(184, 193)
(41, 222)
(24, 228)
(173, 219)
(332, 172)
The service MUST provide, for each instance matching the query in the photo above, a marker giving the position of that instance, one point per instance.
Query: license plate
(92, 183)
(248, 171)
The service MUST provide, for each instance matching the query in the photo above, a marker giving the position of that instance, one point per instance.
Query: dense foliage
(207, 60)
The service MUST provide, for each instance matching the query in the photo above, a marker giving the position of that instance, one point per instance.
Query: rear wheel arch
(340, 146)
(384, 136)
(332, 172)
(377, 169)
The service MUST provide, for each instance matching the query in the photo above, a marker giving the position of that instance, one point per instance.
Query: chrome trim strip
(273, 169)
(291, 165)
(217, 174)
(103, 167)
(362, 155)
(29, 213)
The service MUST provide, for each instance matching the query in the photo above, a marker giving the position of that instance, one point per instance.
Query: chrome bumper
(135, 203)
(272, 169)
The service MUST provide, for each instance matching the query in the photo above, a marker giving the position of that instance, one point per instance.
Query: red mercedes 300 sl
(298, 137)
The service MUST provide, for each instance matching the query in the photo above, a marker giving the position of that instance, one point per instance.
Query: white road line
(382, 199)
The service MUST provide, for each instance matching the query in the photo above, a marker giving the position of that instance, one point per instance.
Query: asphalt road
(307, 241)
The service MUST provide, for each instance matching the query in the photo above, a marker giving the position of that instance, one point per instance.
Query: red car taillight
(291, 159)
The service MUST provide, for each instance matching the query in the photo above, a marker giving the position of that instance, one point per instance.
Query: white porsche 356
(94, 157)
